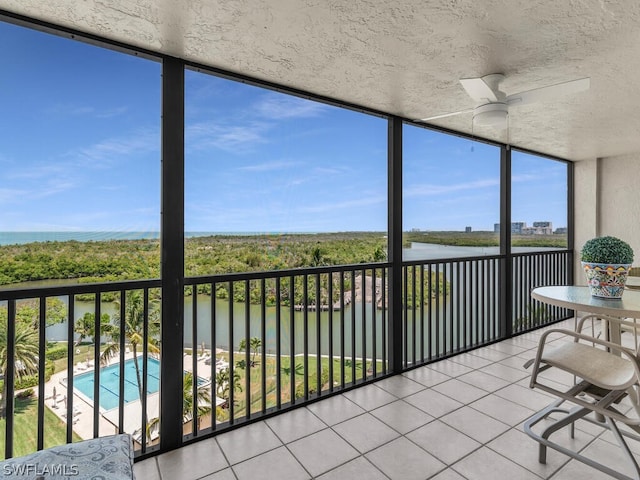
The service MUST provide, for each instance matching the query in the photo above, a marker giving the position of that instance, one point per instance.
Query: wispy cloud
(106, 150)
(86, 110)
(8, 195)
(279, 107)
(228, 137)
(270, 166)
(345, 204)
(527, 177)
(439, 189)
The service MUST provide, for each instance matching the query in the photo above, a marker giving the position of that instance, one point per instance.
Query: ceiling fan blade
(478, 89)
(550, 92)
(444, 115)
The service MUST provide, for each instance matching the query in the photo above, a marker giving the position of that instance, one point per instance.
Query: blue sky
(81, 152)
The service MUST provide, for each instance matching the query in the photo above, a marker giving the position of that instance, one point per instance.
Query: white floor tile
(450, 368)
(226, 474)
(146, 469)
(296, 424)
(460, 391)
(247, 442)
(474, 424)
(433, 403)
(486, 382)
(400, 386)
(357, 469)
(365, 432)
(443, 442)
(370, 396)
(486, 464)
(193, 461)
(426, 376)
(472, 361)
(278, 463)
(335, 409)
(403, 460)
(322, 451)
(402, 416)
(527, 397)
(502, 409)
(523, 450)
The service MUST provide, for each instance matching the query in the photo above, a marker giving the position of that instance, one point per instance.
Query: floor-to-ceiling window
(451, 195)
(451, 232)
(538, 202)
(277, 182)
(80, 201)
(539, 233)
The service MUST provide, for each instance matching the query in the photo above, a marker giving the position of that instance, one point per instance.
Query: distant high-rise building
(467, 229)
(542, 224)
(496, 228)
(517, 227)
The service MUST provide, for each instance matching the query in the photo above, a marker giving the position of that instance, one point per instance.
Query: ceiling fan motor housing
(491, 115)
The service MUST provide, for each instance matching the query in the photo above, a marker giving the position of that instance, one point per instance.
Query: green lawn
(25, 428)
(285, 392)
(86, 352)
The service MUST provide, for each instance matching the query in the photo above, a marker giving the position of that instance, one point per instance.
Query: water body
(431, 251)
(346, 323)
(58, 332)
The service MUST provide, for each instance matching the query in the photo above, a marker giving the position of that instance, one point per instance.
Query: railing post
(394, 228)
(570, 222)
(505, 280)
(172, 253)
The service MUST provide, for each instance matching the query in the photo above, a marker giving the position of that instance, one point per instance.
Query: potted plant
(606, 262)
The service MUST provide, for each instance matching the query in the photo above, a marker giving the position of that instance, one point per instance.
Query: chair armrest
(624, 352)
(620, 322)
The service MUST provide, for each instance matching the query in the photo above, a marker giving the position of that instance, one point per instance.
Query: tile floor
(456, 419)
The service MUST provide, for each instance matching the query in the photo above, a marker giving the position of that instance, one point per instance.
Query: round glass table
(579, 298)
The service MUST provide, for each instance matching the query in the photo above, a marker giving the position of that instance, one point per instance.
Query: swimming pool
(110, 382)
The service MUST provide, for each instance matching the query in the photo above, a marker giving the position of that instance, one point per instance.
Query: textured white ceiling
(406, 57)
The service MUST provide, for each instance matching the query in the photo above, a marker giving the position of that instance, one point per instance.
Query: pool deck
(108, 420)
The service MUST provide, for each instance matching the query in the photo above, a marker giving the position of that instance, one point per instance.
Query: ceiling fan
(492, 105)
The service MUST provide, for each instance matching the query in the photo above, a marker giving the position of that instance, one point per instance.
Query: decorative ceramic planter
(606, 280)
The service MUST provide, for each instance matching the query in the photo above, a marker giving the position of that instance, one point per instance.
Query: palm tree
(254, 345)
(223, 388)
(204, 403)
(25, 355)
(298, 369)
(85, 326)
(133, 330)
(203, 399)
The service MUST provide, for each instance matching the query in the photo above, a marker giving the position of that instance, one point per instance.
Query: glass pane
(80, 161)
(451, 195)
(538, 203)
(275, 181)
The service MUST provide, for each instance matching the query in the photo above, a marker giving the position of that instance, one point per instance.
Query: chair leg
(571, 417)
(625, 448)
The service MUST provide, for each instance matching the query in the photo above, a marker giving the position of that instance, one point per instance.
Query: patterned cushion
(105, 458)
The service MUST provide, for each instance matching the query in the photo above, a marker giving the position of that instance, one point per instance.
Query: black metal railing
(264, 342)
(449, 306)
(43, 329)
(535, 269)
(254, 343)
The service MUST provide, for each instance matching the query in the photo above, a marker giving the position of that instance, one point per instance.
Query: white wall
(620, 200)
(585, 210)
(607, 202)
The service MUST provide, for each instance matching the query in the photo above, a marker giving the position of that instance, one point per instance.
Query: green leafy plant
(610, 250)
